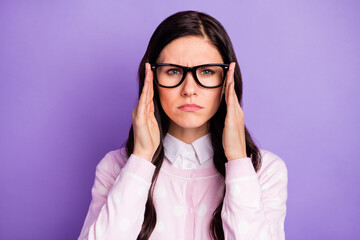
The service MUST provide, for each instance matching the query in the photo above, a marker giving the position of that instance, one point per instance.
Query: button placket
(188, 156)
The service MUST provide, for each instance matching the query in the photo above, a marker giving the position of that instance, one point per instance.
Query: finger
(230, 80)
(149, 100)
(151, 92)
(227, 86)
(148, 89)
(237, 108)
(143, 97)
(223, 87)
(230, 105)
(151, 87)
(151, 77)
(235, 101)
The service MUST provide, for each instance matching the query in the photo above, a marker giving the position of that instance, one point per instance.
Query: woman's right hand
(145, 126)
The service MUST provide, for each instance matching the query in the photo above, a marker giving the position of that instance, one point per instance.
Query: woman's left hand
(233, 138)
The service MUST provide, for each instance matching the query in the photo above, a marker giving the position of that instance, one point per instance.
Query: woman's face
(189, 51)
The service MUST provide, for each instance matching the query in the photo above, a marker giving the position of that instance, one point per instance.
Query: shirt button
(189, 165)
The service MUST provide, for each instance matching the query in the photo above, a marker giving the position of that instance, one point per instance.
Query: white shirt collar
(202, 147)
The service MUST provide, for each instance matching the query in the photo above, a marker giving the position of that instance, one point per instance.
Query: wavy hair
(180, 24)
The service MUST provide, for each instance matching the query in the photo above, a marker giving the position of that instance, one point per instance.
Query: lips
(190, 107)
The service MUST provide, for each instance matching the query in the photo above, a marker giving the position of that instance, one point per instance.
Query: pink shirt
(185, 196)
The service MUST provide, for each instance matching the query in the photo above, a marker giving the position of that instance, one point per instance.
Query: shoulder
(118, 156)
(112, 162)
(272, 165)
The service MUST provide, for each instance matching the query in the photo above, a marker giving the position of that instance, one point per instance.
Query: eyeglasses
(207, 75)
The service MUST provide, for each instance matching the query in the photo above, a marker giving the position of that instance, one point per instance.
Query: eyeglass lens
(209, 76)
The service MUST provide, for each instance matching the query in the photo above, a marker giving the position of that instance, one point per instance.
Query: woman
(190, 169)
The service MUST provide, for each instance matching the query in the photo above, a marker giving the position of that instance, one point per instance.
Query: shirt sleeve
(118, 201)
(254, 206)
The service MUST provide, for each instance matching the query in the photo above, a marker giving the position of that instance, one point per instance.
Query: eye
(207, 71)
(173, 71)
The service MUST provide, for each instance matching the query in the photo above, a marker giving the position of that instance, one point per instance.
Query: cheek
(166, 99)
(213, 100)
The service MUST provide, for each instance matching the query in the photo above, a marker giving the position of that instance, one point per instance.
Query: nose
(189, 87)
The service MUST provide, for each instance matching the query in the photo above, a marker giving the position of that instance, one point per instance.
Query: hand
(233, 138)
(145, 126)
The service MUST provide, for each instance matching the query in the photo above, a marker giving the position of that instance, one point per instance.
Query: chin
(189, 123)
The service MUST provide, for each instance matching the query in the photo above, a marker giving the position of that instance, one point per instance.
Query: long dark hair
(181, 24)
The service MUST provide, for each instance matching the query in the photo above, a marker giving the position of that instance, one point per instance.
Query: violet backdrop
(68, 86)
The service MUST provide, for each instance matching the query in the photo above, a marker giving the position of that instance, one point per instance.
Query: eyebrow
(221, 62)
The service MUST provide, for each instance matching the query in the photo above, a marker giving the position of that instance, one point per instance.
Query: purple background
(68, 86)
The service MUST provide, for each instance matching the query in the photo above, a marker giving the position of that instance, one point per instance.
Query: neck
(188, 135)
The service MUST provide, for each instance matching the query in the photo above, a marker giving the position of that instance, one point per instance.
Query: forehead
(190, 51)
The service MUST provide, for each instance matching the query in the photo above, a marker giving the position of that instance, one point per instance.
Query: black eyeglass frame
(193, 69)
